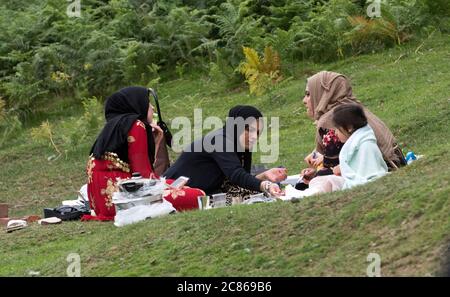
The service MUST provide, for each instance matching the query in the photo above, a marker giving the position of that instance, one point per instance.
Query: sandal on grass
(14, 225)
(50, 221)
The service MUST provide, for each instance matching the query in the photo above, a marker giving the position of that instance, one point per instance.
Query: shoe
(49, 221)
(14, 225)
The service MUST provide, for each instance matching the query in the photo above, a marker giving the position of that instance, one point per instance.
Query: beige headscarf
(330, 89)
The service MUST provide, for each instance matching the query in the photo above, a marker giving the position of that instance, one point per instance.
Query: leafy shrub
(236, 31)
(284, 13)
(44, 53)
(321, 37)
(368, 34)
(137, 58)
(286, 43)
(261, 74)
(409, 16)
(22, 88)
(222, 72)
(177, 36)
(103, 62)
(438, 7)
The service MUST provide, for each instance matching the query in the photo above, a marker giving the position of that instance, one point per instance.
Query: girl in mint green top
(360, 159)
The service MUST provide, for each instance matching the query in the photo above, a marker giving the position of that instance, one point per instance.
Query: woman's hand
(271, 188)
(275, 190)
(157, 133)
(275, 175)
(308, 174)
(309, 159)
(314, 159)
(318, 160)
(337, 170)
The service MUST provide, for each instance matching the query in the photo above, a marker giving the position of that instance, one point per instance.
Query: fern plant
(320, 38)
(371, 32)
(261, 73)
(43, 134)
(236, 30)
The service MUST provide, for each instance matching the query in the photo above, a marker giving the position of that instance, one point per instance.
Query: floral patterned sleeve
(138, 150)
(331, 147)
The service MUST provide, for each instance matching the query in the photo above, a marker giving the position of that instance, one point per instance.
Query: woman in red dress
(127, 144)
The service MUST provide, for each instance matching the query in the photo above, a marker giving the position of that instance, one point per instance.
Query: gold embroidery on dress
(111, 187)
(116, 162)
(90, 168)
(175, 193)
(131, 139)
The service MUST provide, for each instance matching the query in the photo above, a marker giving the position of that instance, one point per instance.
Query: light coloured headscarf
(330, 89)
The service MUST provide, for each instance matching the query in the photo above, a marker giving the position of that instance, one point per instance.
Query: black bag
(66, 213)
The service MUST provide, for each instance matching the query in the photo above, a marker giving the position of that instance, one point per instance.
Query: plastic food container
(138, 191)
(122, 204)
(218, 200)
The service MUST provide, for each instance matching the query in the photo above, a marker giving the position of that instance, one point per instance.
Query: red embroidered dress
(103, 175)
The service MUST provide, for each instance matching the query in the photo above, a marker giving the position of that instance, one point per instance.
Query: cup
(219, 200)
(259, 195)
(203, 202)
(236, 200)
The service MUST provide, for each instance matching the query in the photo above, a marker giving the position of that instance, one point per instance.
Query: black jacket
(207, 169)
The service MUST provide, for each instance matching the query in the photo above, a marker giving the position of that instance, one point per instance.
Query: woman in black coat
(225, 155)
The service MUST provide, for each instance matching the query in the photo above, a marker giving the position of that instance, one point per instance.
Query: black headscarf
(122, 109)
(244, 112)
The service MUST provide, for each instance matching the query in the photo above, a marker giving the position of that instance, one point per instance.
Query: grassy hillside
(404, 217)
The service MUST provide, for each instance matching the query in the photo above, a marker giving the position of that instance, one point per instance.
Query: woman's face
(250, 136)
(342, 135)
(308, 103)
(150, 114)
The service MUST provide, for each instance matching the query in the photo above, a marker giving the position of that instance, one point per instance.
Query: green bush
(43, 52)
(321, 37)
(177, 36)
(438, 7)
(22, 88)
(102, 63)
(236, 31)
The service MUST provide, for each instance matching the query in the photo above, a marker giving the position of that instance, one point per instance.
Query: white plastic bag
(291, 192)
(82, 200)
(83, 194)
(142, 212)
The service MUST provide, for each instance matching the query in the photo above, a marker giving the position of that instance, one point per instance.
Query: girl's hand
(276, 175)
(157, 133)
(308, 174)
(337, 170)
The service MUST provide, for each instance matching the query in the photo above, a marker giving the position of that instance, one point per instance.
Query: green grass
(404, 217)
